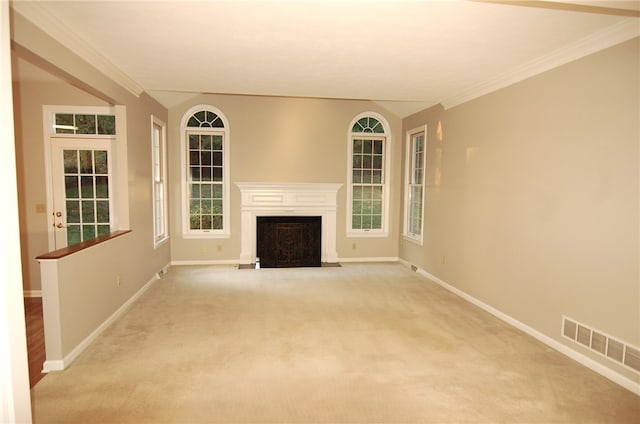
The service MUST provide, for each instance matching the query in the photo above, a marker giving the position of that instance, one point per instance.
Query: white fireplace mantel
(288, 199)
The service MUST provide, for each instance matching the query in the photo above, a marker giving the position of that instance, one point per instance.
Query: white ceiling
(406, 55)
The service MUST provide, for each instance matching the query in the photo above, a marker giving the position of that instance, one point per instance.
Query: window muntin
(367, 183)
(206, 181)
(414, 206)
(206, 177)
(86, 194)
(159, 175)
(368, 124)
(84, 124)
(368, 186)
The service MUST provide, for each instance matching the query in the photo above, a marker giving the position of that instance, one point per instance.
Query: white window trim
(417, 238)
(158, 240)
(118, 166)
(226, 220)
(384, 231)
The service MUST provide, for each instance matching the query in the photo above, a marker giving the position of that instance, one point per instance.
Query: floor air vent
(601, 343)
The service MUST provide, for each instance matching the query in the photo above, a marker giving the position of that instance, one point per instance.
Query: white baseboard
(59, 365)
(211, 262)
(33, 293)
(552, 343)
(370, 259)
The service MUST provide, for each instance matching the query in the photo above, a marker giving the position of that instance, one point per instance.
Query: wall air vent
(601, 343)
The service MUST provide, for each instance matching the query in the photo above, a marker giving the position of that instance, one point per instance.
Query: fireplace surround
(288, 199)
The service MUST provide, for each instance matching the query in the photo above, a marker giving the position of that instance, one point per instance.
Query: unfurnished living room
(279, 211)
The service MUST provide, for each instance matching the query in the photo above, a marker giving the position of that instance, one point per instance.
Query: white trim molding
(552, 343)
(288, 199)
(607, 37)
(41, 15)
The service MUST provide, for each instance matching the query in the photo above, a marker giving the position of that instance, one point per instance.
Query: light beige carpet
(365, 343)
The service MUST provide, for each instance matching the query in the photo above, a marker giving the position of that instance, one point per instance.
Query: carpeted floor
(364, 343)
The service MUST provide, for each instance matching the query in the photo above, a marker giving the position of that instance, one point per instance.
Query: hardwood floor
(35, 338)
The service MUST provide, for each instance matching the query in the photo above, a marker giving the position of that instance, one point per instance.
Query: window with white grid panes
(159, 171)
(206, 211)
(367, 177)
(415, 163)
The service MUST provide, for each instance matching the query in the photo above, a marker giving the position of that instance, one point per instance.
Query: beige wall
(286, 140)
(131, 258)
(28, 98)
(537, 212)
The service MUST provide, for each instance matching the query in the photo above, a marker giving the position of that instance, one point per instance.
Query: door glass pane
(88, 232)
(102, 187)
(88, 211)
(71, 186)
(86, 162)
(103, 229)
(86, 194)
(101, 162)
(70, 161)
(73, 234)
(73, 211)
(102, 211)
(86, 187)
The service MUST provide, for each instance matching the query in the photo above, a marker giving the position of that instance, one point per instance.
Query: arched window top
(205, 119)
(368, 124)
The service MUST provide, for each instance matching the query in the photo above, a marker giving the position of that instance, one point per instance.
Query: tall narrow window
(159, 171)
(205, 145)
(368, 183)
(414, 183)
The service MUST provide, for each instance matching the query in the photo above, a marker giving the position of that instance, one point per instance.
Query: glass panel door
(82, 207)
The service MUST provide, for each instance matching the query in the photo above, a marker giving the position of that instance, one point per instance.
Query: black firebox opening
(289, 241)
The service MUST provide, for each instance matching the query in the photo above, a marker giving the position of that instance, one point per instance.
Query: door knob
(60, 225)
(58, 214)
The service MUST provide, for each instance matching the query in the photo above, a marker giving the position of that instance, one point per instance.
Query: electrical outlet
(353, 246)
(219, 248)
(118, 280)
(444, 260)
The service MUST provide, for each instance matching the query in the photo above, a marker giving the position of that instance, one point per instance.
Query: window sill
(69, 250)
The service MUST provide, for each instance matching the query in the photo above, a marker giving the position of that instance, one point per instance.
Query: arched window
(205, 146)
(368, 197)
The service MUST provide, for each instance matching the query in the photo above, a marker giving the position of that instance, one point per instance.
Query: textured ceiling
(404, 54)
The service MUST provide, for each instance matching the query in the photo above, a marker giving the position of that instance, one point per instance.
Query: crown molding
(38, 14)
(622, 31)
